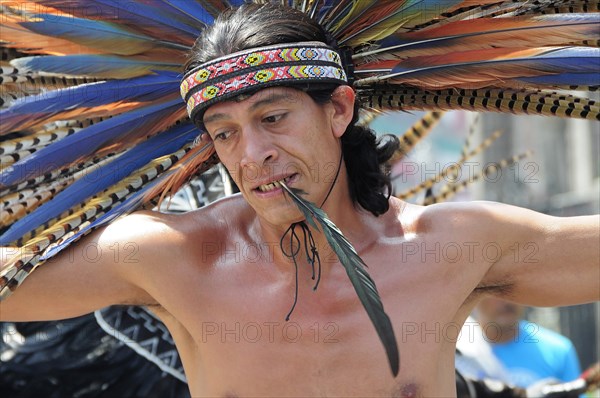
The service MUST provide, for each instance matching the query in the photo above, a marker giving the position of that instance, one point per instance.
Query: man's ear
(342, 99)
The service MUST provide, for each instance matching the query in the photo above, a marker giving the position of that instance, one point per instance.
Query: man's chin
(281, 217)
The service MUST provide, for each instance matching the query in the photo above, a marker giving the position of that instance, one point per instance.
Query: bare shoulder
(481, 219)
(511, 252)
(467, 238)
(156, 236)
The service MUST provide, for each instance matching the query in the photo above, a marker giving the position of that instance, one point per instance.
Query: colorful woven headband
(244, 71)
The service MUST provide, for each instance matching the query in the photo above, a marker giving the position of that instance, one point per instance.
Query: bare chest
(238, 342)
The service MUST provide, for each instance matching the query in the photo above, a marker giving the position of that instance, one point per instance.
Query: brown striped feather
(486, 172)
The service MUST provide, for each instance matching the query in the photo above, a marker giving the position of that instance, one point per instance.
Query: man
(528, 352)
(221, 281)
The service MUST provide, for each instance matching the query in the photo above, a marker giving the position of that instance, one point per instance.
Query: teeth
(269, 187)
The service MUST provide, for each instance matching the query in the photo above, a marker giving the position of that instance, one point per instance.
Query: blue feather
(324, 10)
(94, 34)
(143, 14)
(236, 3)
(134, 13)
(145, 88)
(102, 178)
(192, 10)
(566, 79)
(86, 142)
(103, 66)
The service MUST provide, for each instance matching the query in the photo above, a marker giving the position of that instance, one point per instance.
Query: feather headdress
(92, 87)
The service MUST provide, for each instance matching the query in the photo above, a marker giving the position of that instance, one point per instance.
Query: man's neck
(354, 223)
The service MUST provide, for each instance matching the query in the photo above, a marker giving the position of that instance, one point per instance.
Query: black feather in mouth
(355, 268)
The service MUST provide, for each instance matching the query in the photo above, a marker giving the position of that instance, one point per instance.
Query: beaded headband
(257, 68)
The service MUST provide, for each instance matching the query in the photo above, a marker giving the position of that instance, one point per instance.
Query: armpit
(500, 289)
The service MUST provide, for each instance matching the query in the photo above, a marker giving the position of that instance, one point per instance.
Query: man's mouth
(276, 184)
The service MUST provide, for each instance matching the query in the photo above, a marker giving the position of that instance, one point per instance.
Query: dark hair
(256, 25)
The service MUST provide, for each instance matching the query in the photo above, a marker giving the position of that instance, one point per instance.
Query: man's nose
(258, 148)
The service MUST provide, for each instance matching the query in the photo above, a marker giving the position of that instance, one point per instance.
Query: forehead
(262, 97)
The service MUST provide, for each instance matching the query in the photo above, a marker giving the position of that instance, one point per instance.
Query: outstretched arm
(110, 266)
(548, 261)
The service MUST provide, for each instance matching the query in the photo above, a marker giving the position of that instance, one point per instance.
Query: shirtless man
(221, 284)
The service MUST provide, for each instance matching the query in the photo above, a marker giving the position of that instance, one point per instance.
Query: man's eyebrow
(214, 117)
(272, 98)
(269, 100)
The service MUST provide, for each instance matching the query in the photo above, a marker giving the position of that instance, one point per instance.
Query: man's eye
(273, 118)
(222, 136)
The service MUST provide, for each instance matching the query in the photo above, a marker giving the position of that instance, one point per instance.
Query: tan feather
(451, 171)
(491, 100)
(452, 190)
(415, 134)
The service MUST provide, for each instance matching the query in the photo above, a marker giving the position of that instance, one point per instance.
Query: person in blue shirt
(528, 352)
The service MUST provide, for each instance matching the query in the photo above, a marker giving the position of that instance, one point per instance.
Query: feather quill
(348, 12)
(102, 218)
(383, 18)
(34, 141)
(449, 173)
(26, 205)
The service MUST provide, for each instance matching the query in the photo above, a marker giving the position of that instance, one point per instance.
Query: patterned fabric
(76, 358)
(240, 72)
(143, 332)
